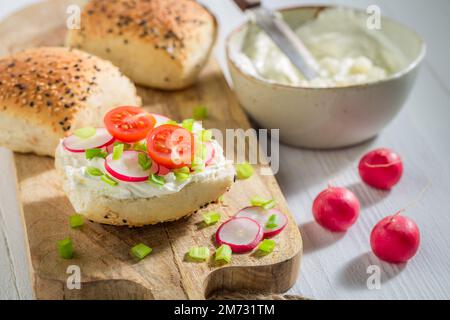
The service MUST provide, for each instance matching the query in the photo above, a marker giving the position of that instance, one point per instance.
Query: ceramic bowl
(326, 117)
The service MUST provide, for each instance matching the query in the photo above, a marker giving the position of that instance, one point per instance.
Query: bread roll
(137, 212)
(46, 93)
(159, 43)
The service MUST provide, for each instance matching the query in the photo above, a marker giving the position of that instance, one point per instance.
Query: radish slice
(210, 153)
(127, 168)
(160, 119)
(241, 234)
(101, 138)
(262, 216)
(163, 170)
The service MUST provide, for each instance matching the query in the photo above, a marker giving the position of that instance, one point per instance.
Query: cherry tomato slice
(171, 146)
(129, 124)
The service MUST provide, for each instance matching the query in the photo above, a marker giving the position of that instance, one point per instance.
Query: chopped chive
(76, 221)
(158, 180)
(267, 245)
(171, 122)
(93, 171)
(85, 133)
(107, 179)
(223, 253)
(118, 151)
(199, 253)
(272, 222)
(65, 248)
(200, 113)
(221, 199)
(206, 135)
(144, 161)
(258, 201)
(139, 146)
(141, 251)
(188, 124)
(244, 170)
(95, 153)
(211, 218)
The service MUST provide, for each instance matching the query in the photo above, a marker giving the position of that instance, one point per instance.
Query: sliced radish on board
(241, 234)
(127, 168)
(262, 216)
(101, 138)
(210, 153)
(160, 119)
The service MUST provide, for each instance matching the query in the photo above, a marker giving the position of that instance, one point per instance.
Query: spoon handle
(247, 4)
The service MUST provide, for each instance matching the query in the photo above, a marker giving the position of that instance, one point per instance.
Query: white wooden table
(334, 266)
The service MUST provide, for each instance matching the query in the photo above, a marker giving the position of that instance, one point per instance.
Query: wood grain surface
(102, 252)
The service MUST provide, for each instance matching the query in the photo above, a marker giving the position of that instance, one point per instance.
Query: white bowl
(326, 117)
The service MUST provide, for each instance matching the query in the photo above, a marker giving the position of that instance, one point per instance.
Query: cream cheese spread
(348, 52)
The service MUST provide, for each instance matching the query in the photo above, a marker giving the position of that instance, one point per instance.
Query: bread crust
(48, 92)
(158, 43)
(139, 212)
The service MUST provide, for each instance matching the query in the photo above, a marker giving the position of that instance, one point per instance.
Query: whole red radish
(336, 209)
(381, 168)
(395, 239)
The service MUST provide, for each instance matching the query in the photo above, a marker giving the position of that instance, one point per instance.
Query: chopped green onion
(76, 221)
(206, 135)
(267, 245)
(199, 253)
(126, 145)
(182, 176)
(244, 170)
(144, 161)
(188, 124)
(223, 253)
(95, 153)
(85, 133)
(139, 146)
(258, 201)
(182, 170)
(118, 151)
(171, 122)
(200, 113)
(158, 180)
(272, 222)
(107, 179)
(269, 204)
(211, 218)
(65, 248)
(141, 251)
(93, 171)
(198, 166)
(221, 199)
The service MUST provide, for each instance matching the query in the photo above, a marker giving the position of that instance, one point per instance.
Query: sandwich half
(161, 176)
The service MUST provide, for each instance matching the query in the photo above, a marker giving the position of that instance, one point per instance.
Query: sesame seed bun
(160, 43)
(46, 93)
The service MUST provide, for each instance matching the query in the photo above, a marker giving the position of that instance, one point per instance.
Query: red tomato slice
(129, 124)
(171, 146)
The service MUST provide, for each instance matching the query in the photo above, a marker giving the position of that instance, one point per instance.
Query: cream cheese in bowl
(366, 76)
(348, 52)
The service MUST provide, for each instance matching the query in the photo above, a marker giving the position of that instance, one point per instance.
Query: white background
(334, 265)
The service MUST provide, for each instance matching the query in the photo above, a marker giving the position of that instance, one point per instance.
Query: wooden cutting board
(108, 271)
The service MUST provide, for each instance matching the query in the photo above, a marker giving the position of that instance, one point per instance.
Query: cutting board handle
(247, 4)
